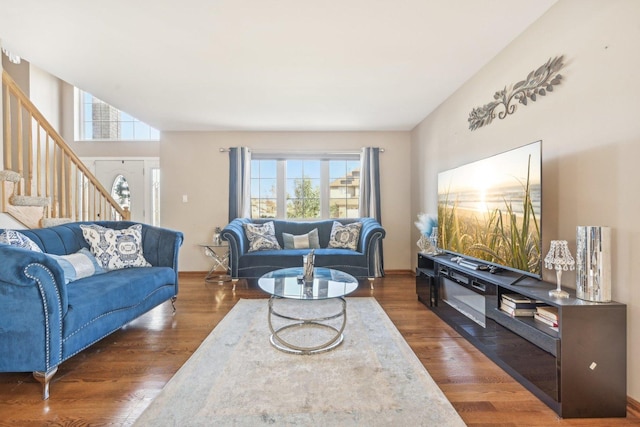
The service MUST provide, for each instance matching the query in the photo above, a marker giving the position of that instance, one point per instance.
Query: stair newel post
(39, 161)
(20, 147)
(63, 185)
(73, 190)
(54, 204)
(85, 198)
(47, 168)
(8, 162)
(29, 181)
(95, 213)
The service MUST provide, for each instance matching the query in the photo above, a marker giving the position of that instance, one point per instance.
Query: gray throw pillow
(345, 236)
(302, 241)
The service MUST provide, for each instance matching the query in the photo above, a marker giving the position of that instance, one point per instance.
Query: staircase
(42, 181)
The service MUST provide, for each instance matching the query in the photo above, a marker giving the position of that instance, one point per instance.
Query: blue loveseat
(44, 321)
(359, 263)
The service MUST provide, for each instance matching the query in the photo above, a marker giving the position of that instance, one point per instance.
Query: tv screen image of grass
(490, 209)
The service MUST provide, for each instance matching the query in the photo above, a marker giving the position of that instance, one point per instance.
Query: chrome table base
(298, 322)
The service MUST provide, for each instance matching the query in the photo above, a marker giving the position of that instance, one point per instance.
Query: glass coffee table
(287, 284)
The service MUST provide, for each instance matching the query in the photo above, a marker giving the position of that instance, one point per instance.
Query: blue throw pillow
(79, 265)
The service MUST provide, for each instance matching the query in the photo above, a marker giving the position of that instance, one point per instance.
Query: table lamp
(559, 258)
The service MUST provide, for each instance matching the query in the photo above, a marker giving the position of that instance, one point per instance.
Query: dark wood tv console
(579, 369)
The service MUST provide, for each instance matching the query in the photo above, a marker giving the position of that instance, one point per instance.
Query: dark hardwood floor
(112, 382)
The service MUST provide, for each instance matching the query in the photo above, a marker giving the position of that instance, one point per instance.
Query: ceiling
(267, 65)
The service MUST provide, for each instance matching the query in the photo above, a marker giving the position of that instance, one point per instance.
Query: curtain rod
(226, 150)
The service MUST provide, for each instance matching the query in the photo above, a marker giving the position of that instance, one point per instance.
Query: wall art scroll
(538, 83)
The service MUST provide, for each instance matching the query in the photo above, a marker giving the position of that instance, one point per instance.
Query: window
(98, 120)
(120, 192)
(309, 188)
(344, 190)
(303, 181)
(264, 195)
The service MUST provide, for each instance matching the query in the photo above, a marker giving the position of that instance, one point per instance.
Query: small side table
(219, 253)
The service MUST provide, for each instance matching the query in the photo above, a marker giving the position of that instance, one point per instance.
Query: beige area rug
(236, 378)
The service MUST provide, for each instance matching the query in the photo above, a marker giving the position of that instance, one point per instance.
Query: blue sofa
(44, 321)
(359, 263)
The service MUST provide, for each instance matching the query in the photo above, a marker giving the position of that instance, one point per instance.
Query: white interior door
(108, 171)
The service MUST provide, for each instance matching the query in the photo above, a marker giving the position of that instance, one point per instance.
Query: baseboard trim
(633, 407)
(192, 274)
(386, 273)
(398, 272)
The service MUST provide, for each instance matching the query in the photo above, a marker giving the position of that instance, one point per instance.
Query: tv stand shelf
(578, 370)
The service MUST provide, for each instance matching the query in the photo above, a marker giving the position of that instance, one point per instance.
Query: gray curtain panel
(239, 183)
(370, 195)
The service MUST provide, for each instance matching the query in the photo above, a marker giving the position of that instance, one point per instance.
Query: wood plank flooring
(112, 382)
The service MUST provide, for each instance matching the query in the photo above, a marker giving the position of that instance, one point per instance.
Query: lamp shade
(559, 256)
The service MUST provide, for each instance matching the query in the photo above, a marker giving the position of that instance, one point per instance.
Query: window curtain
(239, 183)
(370, 195)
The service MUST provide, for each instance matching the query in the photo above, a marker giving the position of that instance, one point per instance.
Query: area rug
(236, 378)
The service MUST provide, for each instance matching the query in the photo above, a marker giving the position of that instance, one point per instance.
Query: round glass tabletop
(327, 283)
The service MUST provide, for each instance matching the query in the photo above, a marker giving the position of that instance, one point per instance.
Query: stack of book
(517, 305)
(547, 315)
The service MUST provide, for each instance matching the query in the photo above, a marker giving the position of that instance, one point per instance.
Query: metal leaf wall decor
(538, 83)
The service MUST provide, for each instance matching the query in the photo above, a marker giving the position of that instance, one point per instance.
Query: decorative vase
(429, 244)
(424, 244)
(308, 261)
(433, 238)
(216, 236)
(593, 263)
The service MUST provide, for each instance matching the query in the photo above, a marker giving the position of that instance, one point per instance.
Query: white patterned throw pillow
(116, 249)
(15, 238)
(261, 237)
(345, 236)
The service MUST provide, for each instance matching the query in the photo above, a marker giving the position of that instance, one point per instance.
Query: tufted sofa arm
(370, 234)
(33, 302)
(238, 242)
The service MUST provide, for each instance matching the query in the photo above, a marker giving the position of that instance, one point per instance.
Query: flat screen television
(489, 211)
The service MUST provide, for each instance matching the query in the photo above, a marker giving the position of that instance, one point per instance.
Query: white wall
(191, 164)
(589, 127)
(45, 92)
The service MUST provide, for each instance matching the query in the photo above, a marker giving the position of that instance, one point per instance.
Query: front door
(124, 179)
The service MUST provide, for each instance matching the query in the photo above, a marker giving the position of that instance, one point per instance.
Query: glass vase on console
(433, 240)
